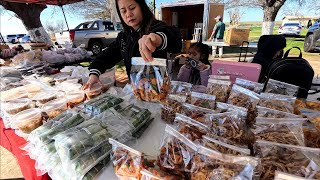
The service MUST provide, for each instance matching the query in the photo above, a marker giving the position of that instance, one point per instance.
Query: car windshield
(291, 24)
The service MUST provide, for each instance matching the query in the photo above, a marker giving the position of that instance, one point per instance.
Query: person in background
(309, 23)
(143, 36)
(217, 35)
(270, 48)
(198, 75)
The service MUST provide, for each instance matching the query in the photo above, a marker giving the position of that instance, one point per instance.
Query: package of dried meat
(252, 86)
(176, 152)
(243, 97)
(278, 102)
(295, 160)
(280, 130)
(272, 113)
(199, 88)
(203, 100)
(210, 164)
(217, 77)
(172, 106)
(228, 125)
(278, 175)
(180, 88)
(127, 162)
(190, 128)
(278, 87)
(219, 88)
(224, 107)
(314, 118)
(224, 147)
(311, 135)
(156, 174)
(150, 80)
(196, 113)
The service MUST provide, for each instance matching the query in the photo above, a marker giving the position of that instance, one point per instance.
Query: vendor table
(12, 142)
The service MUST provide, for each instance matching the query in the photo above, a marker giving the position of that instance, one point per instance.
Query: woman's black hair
(203, 49)
(147, 16)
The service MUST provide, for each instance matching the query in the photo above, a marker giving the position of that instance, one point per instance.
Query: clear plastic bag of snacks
(156, 174)
(314, 118)
(176, 152)
(172, 106)
(278, 175)
(252, 86)
(196, 113)
(150, 80)
(224, 107)
(203, 100)
(217, 77)
(295, 160)
(127, 162)
(243, 97)
(278, 102)
(311, 135)
(280, 130)
(180, 88)
(210, 164)
(272, 113)
(190, 128)
(278, 87)
(219, 88)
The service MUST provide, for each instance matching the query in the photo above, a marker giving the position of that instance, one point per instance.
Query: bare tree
(93, 9)
(234, 15)
(29, 14)
(53, 28)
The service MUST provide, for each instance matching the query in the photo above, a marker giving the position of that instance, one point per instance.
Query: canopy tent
(48, 2)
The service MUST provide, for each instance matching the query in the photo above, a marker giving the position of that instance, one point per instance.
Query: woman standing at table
(143, 36)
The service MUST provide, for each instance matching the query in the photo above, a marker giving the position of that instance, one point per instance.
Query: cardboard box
(235, 36)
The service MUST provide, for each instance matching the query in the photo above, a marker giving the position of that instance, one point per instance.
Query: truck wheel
(95, 47)
(308, 43)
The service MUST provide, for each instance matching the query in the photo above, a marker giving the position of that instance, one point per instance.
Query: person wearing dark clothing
(143, 36)
(270, 48)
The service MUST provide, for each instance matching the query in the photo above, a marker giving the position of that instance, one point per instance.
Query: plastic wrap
(196, 113)
(243, 97)
(272, 113)
(15, 106)
(210, 164)
(278, 175)
(224, 107)
(314, 118)
(94, 91)
(278, 87)
(278, 102)
(219, 88)
(173, 106)
(203, 100)
(150, 80)
(190, 128)
(217, 77)
(180, 88)
(296, 160)
(101, 103)
(55, 107)
(155, 174)
(176, 152)
(281, 130)
(97, 169)
(27, 120)
(75, 97)
(127, 162)
(45, 96)
(252, 86)
(311, 135)
(224, 147)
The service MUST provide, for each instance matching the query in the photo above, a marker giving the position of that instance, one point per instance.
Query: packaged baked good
(45, 96)
(13, 94)
(94, 91)
(15, 106)
(172, 106)
(27, 120)
(190, 128)
(295, 160)
(272, 113)
(203, 100)
(197, 113)
(180, 88)
(150, 80)
(219, 88)
(280, 130)
(176, 153)
(243, 97)
(278, 102)
(55, 107)
(75, 98)
(127, 162)
(210, 164)
(278, 87)
(252, 86)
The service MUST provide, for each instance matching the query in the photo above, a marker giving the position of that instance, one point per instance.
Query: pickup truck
(312, 40)
(92, 35)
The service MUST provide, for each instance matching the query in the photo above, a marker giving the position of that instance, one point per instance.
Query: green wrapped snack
(90, 107)
(103, 107)
(96, 169)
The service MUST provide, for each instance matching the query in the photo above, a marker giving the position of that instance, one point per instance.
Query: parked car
(290, 28)
(312, 40)
(13, 38)
(94, 35)
(25, 39)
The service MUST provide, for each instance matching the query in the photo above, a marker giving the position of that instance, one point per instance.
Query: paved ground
(9, 167)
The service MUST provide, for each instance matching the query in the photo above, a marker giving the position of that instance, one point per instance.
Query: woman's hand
(148, 44)
(93, 79)
(202, 66)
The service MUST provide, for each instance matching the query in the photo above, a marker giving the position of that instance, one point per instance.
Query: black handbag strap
(287, 52)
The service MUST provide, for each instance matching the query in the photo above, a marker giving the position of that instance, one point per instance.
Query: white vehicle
(290, 28)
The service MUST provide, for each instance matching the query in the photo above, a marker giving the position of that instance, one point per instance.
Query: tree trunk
(270, 11)
(29, 14)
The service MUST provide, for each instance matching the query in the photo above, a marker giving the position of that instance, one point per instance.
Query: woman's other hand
(148, 44)
(93, 79)
(187, 64)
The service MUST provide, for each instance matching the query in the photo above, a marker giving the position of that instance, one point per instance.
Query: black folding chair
(244, 47)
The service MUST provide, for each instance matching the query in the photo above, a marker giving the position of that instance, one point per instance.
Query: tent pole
(65, 17)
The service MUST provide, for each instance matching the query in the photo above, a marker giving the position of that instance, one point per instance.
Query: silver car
(290, 28)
